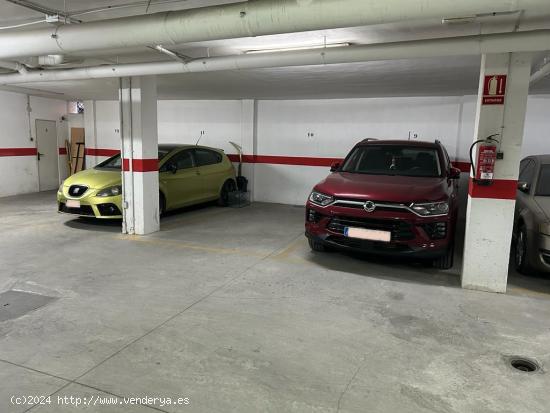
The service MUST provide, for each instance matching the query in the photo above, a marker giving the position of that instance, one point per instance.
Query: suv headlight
(431, 208)
(111, 191)
(544, 228)
(321, 199)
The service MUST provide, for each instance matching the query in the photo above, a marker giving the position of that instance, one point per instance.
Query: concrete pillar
(139, 149)
(489, 217)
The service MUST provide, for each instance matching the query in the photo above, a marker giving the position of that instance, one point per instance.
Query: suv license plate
(369, 234)
(72, 203)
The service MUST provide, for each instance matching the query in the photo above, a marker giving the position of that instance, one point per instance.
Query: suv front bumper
(411, 235)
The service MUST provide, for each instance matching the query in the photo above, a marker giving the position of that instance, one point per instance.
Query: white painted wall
(19, 174)
(281, 128)
(221, 121)
(337, 125)
(536, 135)
(178, 122)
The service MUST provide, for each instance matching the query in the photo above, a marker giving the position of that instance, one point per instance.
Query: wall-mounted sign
(494, 89)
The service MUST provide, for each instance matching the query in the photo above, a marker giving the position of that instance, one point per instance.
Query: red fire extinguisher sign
(494, 89)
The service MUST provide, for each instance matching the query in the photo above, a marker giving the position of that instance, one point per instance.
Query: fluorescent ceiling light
(459, 20)
(292, 49)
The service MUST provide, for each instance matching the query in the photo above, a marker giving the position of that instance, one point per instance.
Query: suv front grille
(368, 245)
(77, 190)
(400, 230)
(380, 205)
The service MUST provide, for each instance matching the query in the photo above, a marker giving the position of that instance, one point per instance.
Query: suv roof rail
(438, 141)
(369, 139)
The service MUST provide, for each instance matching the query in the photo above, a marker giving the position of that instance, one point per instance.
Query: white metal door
(46, 141)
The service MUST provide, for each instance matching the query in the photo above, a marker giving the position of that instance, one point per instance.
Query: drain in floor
(524, 364)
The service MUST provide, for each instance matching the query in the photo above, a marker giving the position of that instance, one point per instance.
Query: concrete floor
(229, 308)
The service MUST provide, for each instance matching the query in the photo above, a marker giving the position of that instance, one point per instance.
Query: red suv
(388, 197)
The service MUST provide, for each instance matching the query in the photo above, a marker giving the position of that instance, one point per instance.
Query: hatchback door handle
(197, 172)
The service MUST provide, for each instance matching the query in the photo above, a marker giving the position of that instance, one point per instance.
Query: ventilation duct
(456, 46)
(246, 19)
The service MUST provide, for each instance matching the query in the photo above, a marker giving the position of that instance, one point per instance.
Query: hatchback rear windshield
(393, 160)
(114, 162)
(543, 185)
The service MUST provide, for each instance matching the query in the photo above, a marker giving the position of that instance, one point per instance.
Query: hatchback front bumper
(109, 207)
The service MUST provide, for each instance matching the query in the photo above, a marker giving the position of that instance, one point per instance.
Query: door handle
(197, 172)
(39, 155)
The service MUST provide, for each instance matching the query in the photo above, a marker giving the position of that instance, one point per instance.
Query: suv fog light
(436, 230)
(312, 216)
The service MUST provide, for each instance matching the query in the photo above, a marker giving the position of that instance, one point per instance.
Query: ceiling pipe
(22, 69)
(457, 46)
(44, 9)
(540, 74)
(173, 55)
(246, 19)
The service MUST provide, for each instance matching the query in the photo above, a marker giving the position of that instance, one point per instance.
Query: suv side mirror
(172, 168)
(334, 166)
(524, 187)
(454, 173)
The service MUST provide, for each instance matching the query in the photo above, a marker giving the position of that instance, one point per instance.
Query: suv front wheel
(445, 261)
(316, 246)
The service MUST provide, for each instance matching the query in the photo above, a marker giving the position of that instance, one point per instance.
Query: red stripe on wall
(271, 159)
(311, 161)
(285, 160)
(101, 152)
(463, 166)
(499, 189)
(140, 165)
(18, 152)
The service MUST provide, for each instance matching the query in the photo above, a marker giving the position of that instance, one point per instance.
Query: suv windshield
(115, 161)
(543, 186)
(393, 160)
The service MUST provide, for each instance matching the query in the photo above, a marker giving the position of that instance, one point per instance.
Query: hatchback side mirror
(524, 187)
(454, 173)
(334, 166)
(173, 168)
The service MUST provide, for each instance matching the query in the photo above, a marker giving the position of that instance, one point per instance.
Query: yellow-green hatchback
(188, 175)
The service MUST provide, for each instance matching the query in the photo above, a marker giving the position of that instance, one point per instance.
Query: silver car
(532, 215)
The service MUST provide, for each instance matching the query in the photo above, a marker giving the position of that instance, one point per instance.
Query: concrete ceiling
(434, 76)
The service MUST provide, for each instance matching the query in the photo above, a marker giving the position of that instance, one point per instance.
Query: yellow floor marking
(192, 219)
(284, 255)
(187, 245)
(526, 291)
(290, 248)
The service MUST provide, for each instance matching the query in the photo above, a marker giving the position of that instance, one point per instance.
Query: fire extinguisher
(484, 169)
